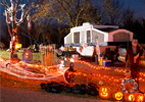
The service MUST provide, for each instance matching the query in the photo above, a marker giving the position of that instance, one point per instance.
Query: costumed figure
(134, 53)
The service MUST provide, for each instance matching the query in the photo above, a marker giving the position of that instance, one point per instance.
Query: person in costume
(134, 53)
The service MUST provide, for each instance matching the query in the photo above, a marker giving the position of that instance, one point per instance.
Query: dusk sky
(137, 5)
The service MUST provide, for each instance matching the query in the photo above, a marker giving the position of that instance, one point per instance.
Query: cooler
(107, 63)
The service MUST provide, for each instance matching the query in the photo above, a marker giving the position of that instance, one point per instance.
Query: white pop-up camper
(89, 33)
(108, 36)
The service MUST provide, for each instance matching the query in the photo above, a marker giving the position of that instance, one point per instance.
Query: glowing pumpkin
(129, 97)
(104, 92)
(117, 95)
(139, 97)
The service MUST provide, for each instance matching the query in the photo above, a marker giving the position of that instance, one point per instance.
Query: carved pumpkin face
(104, 92)
(129, 97)
(117, 95)
(139, 97)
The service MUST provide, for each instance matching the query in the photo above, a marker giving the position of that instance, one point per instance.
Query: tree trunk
(30, 36)
(14, 33)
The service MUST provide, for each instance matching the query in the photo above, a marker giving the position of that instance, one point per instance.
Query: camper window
(77, 37)
(88, 37)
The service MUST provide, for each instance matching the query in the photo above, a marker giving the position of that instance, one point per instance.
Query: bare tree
(12, 7)
(127, 18)
(73, 12)
(112, 10)
(41, 29)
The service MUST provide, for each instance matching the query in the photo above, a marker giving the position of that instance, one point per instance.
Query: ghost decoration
(61, 65)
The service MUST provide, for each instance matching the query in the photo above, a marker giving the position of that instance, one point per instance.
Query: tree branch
(77, 18)
(18, 4)
(4, 4)
(9, 30)
(27, 11)
(63, 6)
(7, 3)
(27, 5)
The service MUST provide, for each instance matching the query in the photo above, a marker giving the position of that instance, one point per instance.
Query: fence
(48, 55)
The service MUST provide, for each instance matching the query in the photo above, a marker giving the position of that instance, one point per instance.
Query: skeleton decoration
(12, 9)
(29, 21)
(11, 18)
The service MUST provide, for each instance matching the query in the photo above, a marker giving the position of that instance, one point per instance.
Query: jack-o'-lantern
(104, 92)
(139, 97)
(117, 95)
(129, 97)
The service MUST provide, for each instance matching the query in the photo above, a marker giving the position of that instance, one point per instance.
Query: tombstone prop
(27, 56)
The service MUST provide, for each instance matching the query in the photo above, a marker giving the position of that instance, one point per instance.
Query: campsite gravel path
(16, 95)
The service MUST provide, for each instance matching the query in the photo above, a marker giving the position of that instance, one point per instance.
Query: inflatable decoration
(129, 86)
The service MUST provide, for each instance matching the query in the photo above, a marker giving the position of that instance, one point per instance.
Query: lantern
(117, 95)
(139, 97)
(104, 92)
(18, 46)
(129, 97)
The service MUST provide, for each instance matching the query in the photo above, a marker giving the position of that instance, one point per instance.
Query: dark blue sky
(137, 5)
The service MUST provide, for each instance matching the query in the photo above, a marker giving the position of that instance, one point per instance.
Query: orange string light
(105, 77)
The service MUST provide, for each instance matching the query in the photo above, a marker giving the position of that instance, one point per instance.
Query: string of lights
(48, 69)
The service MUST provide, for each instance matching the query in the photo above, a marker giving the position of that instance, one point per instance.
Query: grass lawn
(6, 55)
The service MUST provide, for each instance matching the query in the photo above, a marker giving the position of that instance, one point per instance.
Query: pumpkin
(104, 92)
(139, 97)
(117, 95)
(129, 97)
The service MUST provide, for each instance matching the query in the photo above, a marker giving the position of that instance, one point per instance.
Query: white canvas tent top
(89, 33)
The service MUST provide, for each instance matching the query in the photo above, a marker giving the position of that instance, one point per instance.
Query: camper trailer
(89, 33)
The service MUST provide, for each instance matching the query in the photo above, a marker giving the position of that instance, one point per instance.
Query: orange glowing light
(129, 97)
(18, 46)
(117, 96)
(104, 93)
(139, 97)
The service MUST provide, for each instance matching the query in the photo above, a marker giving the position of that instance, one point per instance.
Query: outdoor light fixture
(18, 46)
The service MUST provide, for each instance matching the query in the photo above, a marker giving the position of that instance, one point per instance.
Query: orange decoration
(104, 92)
(15, 30)
(129, 87)
(139, 97)
(117, 95)
(129, 97)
